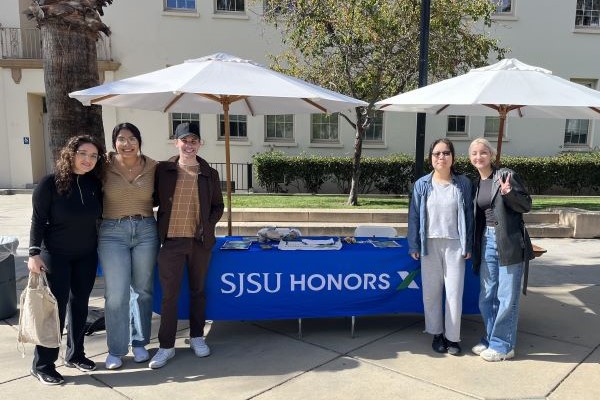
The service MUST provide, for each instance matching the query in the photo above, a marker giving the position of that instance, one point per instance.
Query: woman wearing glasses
(128, 245)
(63, 241)
(440, 226)
(501, 250)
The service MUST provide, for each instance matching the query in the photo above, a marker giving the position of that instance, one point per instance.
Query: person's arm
(216, 202)
(469, 217)
(41, 202)
(414, 223)
(155, 198)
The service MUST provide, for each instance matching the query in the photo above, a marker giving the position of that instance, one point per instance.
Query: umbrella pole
(502, 110)
(227, 164)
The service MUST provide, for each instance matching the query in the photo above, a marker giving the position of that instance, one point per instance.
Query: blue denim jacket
(417, 214)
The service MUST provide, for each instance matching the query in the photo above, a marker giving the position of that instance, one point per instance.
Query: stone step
(342, 222)
(361, 216)
(546, 230)
(542, 230)
(316, 215)
(306, 228)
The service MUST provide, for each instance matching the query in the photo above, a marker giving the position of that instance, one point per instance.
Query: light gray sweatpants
(443, 268)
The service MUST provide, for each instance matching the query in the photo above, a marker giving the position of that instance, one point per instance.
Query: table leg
(299, 328)
(352, 326)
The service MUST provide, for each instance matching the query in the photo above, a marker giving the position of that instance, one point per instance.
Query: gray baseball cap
(186, 129)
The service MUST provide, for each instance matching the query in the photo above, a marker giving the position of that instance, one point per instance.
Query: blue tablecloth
(359, 279)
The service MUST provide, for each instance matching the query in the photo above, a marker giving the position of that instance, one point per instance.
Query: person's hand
(35, 264)
(467, 256)
(415, 255)
(505, 187)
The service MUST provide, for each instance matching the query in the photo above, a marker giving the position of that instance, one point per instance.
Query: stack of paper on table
(311, 244)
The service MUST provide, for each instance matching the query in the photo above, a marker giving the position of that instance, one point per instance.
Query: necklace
(187, 165)
(133, 168)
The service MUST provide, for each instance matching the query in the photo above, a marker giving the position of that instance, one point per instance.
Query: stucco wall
(147, 38)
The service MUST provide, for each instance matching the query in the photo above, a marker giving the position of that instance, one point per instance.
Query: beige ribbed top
(123, 198)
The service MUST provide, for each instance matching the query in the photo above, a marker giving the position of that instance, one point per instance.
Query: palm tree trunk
(70, 63)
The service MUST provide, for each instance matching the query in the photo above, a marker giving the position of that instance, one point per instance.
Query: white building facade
(151, 34)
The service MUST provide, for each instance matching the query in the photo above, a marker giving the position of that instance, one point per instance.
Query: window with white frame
(492, 127)
(457, 125)
(238, 127)
(230, 6)
(374, 133)
(279, 128)
(324, 128)
(179, 118)
(577, 130)
(587, 14)
(180, 5)
(504, 7)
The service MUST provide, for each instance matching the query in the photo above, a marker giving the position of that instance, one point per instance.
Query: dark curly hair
(63, 170)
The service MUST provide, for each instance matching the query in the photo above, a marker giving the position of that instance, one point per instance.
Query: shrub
(275, 171)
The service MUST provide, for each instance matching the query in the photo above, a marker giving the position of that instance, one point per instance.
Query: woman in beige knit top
(128, 245)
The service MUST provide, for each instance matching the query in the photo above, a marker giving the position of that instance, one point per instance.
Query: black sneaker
(439, 344)
(50, 377)
(83, 364)
(453, 347)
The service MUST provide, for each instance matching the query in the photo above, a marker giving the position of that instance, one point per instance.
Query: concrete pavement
(558, 354)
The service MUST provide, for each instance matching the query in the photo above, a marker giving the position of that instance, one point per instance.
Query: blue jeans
(127, 250)
(499, 296)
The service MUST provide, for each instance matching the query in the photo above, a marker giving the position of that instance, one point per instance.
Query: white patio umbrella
(219, 83)
(508, 88)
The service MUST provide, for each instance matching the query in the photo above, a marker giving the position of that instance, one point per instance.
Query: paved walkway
(558, 354)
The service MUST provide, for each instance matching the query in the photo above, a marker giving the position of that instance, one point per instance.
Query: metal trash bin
(8, 284)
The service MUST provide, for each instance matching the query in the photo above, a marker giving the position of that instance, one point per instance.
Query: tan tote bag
(38, 322)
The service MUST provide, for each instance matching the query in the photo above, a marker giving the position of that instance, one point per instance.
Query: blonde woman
(501, 250)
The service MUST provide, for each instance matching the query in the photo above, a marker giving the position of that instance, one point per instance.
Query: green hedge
(574, 173)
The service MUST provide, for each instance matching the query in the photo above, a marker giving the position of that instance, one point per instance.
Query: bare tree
(69, 30)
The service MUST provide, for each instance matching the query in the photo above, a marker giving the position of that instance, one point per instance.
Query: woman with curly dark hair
(63, 242)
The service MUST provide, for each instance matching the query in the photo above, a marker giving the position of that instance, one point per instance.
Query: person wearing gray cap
(190, 203)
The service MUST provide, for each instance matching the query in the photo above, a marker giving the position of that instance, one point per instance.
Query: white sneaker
(493, 355)
(478, 348)
(140, 354)
(113, 362)
(161, 357)
(199, 346)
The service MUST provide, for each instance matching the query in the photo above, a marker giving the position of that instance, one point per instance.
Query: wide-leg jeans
(499, 296)
(127, 249)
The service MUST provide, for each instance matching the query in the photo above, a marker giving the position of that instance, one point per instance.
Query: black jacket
(209, 193)
(514, 245)
(66, 223)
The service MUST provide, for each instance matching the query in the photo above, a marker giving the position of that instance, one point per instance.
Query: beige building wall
(146, 38)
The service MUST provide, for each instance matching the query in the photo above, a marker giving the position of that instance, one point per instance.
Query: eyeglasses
(85, 154)
(130, 140)
(438, 154)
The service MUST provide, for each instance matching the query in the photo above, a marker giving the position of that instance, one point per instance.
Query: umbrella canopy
(218, 84)
(508, 88)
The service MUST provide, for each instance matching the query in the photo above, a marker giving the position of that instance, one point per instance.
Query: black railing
(241, 176)
(26, 43)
